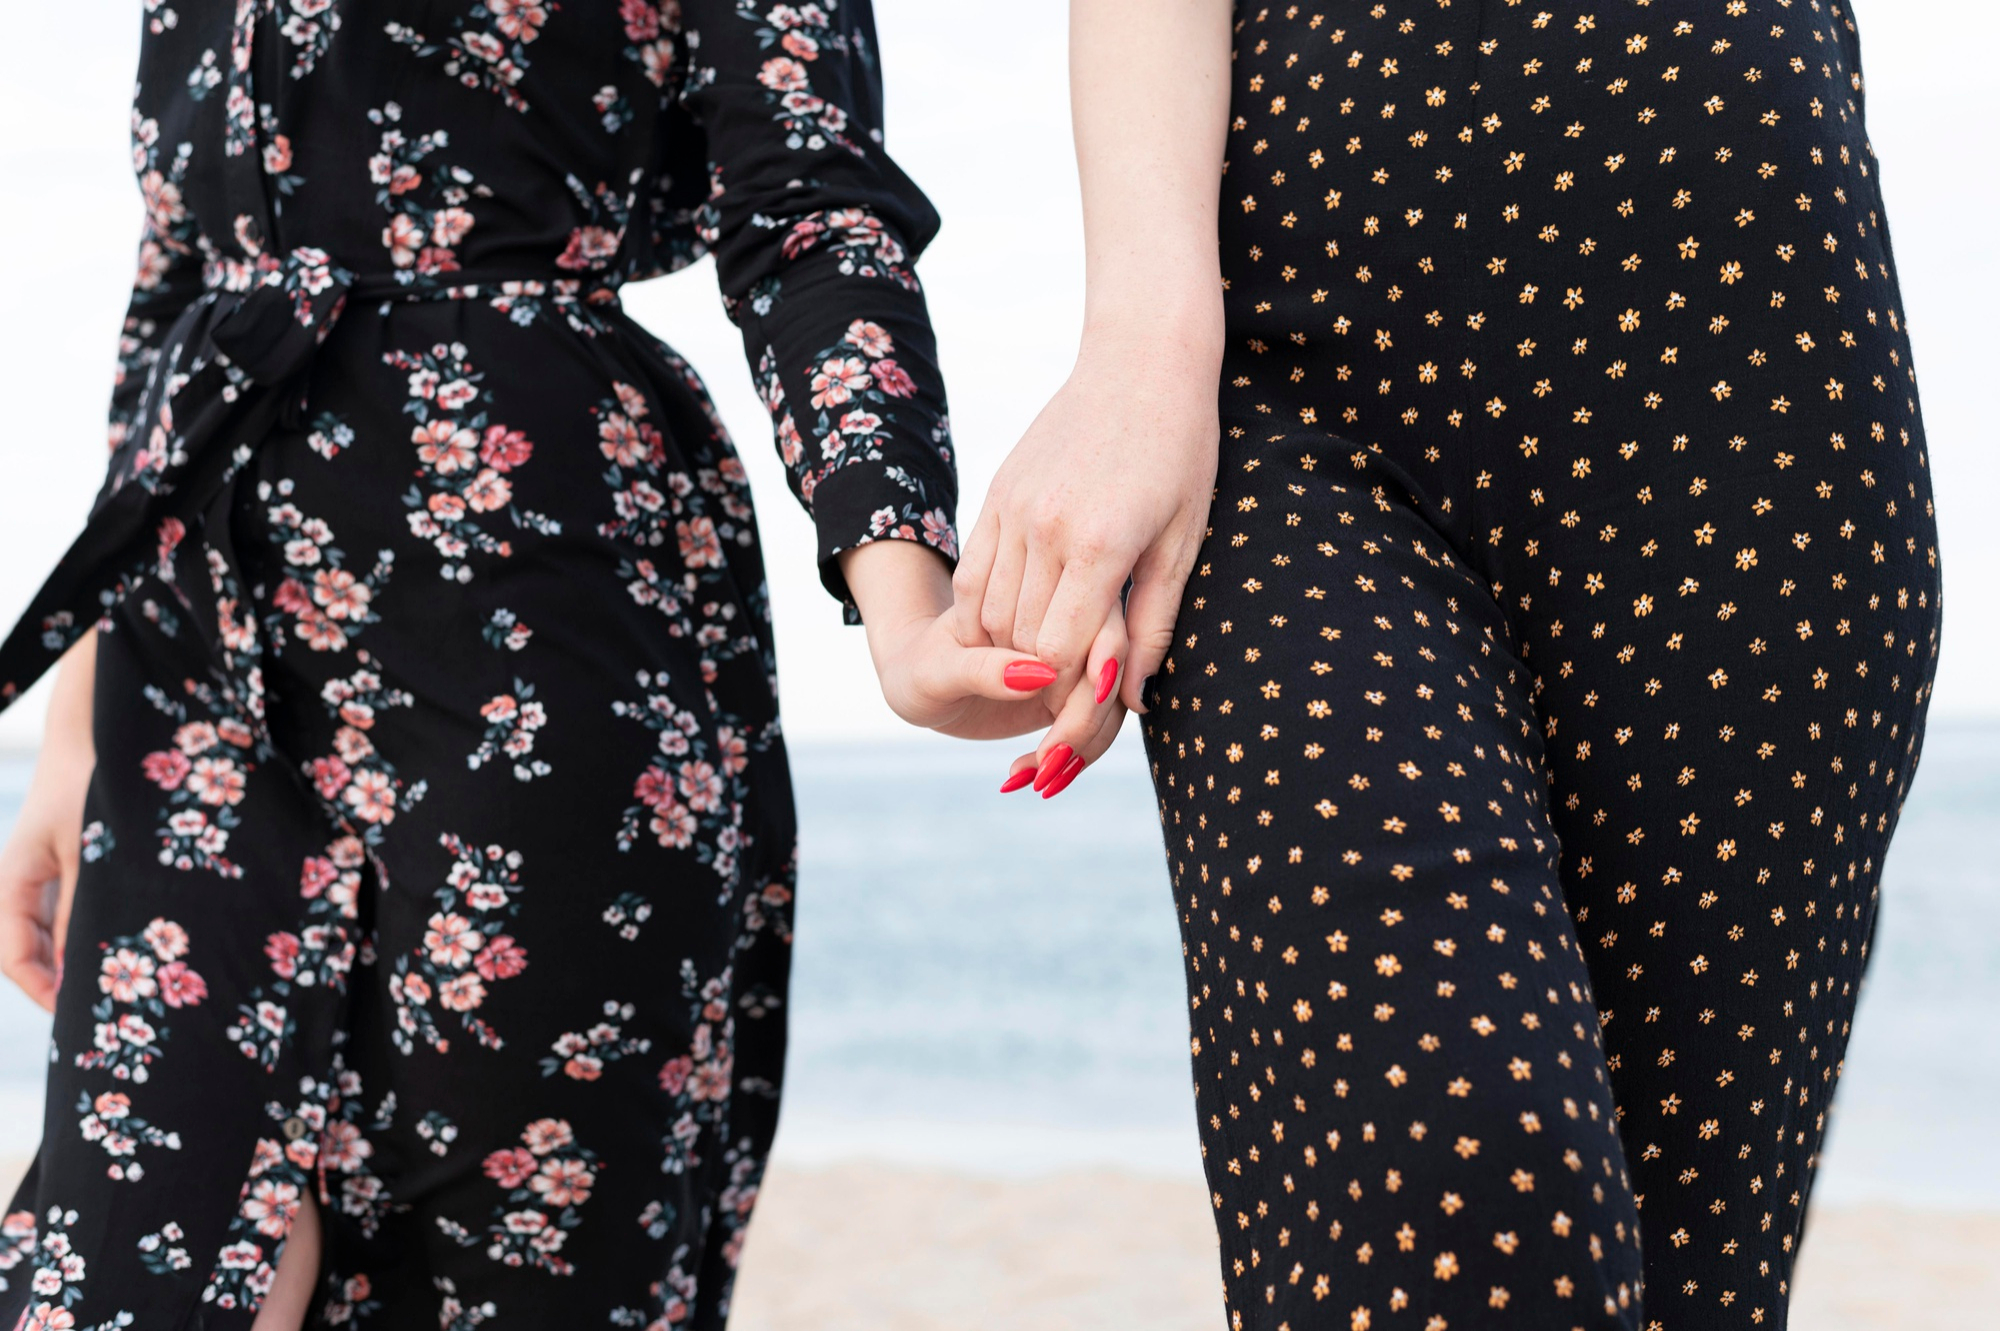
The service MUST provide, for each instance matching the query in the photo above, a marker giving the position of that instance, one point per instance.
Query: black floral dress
(439, 857)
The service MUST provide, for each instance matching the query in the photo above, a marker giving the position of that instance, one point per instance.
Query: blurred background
(988, 1121)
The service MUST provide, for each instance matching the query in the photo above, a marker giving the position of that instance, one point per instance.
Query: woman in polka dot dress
(1559, 616)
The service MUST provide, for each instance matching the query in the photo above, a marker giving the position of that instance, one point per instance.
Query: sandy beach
(868, 1247)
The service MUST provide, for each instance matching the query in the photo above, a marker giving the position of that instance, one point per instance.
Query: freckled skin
(1555, 665)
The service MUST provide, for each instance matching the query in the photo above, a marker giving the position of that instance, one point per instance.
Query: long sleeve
(167, 281)
(814, 231)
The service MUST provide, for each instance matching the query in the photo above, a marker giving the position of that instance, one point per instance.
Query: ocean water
(993, 984)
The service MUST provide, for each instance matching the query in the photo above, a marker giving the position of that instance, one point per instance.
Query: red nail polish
(1106, 678)
(1053, 764)
(1027, 676)
(1068, 774)
(1016, 781)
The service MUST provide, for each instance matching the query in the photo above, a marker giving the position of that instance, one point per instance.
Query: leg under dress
(1555, 665)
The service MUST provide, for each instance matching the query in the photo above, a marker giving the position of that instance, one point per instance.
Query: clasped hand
(1109, 486)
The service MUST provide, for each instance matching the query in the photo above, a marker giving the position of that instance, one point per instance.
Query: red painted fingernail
(1106, 678)
(1053, 764)
(1027, 676)
(1061, 783)
(1016, 781)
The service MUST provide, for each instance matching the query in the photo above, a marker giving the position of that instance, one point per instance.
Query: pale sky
(978, 115)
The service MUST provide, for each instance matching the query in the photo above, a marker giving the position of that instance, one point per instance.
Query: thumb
(1151, 610)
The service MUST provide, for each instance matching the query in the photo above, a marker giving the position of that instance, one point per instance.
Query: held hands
(1112, 482)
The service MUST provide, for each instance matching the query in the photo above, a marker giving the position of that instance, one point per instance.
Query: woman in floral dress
(436, 864)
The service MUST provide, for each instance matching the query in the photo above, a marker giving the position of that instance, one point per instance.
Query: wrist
(1182, 330)
(895, 583)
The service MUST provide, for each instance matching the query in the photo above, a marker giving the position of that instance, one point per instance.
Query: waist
(313, 270)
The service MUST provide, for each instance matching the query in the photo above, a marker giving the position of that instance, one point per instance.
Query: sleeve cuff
(873, 499)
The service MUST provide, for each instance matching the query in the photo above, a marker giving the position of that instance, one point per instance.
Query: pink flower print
(180, 986)
(127, 976)
(563, 1182)
(732, 750)
(711, 1080)
(619, 440)
(112, 1106)
(232, 731)
(243, 1256)
(894, 379)
(489, 491)
(873, 340)
(589, 247)
(135, 1030)
(701, 786)
(485, 45)
(320, 633)
(164, 205)
(434, 259)
(166, 769)
(329, 776)
(271, 1206)
(503, 449)
(451, 940)
(501, 709)
(283, 951)
(341, 594)
(455, 394)
(486, 896)
(839, 379)
(860, 422)
(656, 58)
(699, 546)
(654, 788)
(216, 781)
(316, 875)
(675, 825)
(547, 1134)
(462, 993)
(783, 74)
(278, 155)
(404, 238)
(525, 1222)
(800, 45)
(370, 797)
(343, 1148)
(424, 384)
(511, 1167)
(445, 447)
(674, 1076)
(642, 20)
(352, 744)
(46, 1316)
(195, 737)
(630, 400)
(446, 507)
(501, 959)
(188, 822)
(939, 532)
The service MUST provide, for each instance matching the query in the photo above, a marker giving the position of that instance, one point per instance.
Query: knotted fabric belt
(230, 371)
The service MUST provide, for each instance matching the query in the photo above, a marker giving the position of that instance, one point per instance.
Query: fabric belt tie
(230, 371)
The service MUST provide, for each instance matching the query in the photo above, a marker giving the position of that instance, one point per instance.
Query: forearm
(1149, 95)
